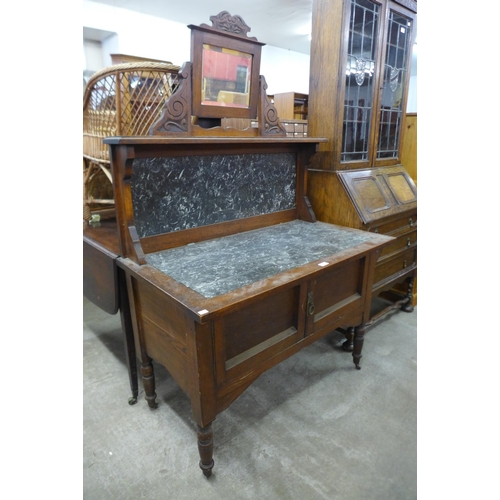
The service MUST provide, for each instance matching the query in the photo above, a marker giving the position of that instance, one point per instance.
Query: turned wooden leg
(349, 342)
(206, 449)
(128, 336)
(359, 337)
(148, 380)
(408, 306)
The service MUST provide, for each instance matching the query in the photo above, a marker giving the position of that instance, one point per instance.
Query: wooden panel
(381, 192)
(337, 292)
(164, 335)
(400, 243)
(409, 146)
(100, 279)
(369, 190)
(245, 338)
(395, 226)
(401, 188)
(400, 264)
(103, 234)
(261, 321)
(330, 201)
(291, 105)
(325, 109)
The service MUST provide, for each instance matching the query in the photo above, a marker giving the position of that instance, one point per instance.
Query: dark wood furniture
(104, 285)
(360, 67)
(226, 270)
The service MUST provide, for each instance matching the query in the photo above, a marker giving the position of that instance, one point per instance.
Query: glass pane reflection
(226, 77)
(363, 28)
(395, 74)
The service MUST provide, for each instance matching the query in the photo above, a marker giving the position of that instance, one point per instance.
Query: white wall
(93, 55)
(284, 70)
(137, 34)
(411, 105)
(146, 36)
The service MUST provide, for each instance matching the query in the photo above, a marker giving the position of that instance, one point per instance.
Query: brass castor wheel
(132, 401)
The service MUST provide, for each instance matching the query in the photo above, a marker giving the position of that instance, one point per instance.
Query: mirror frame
(204, 34)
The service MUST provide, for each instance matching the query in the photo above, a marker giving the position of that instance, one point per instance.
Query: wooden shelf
(291, 105)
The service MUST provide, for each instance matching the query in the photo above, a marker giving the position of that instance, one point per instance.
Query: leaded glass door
(393, 85)
(376, 67)
(362, 57)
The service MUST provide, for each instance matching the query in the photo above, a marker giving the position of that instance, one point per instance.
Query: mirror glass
(225, 77)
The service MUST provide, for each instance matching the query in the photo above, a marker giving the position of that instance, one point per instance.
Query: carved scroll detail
(224, 21)
(176, 115)
(269, 123)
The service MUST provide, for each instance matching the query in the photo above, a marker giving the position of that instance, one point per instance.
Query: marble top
(218, 266)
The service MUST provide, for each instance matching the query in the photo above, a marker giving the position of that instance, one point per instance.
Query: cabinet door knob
(310, 304)
(410, 220)
(408, 242)
(405, 263)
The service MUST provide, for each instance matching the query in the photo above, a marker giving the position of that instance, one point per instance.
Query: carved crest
(224, 21)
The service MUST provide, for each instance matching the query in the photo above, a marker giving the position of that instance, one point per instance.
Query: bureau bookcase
(360, 68)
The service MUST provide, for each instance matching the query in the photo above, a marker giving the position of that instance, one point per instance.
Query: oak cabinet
(291, 105)
(360, 72)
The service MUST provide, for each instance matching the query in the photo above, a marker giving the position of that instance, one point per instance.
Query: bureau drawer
(400, 243)
(397, 225)
(393, 266)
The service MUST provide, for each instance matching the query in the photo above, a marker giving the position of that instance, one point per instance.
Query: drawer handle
(375, 230)
(405, 263)
(310, 304)
(410, 220)
(408, 242)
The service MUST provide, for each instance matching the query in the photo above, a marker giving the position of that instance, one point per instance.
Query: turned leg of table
(359, 337)
(408, 307)
(206, 449)
(348, 344)
(128, 335)
(148, 380)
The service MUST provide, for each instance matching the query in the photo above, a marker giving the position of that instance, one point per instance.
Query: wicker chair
(122, 100)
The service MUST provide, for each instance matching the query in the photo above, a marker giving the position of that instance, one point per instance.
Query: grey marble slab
(218, 266)
(176, 193)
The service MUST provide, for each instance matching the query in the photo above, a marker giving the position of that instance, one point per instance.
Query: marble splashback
(218, 266)
(177, 193)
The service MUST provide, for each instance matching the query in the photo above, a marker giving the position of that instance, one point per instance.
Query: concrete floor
(312, 427)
